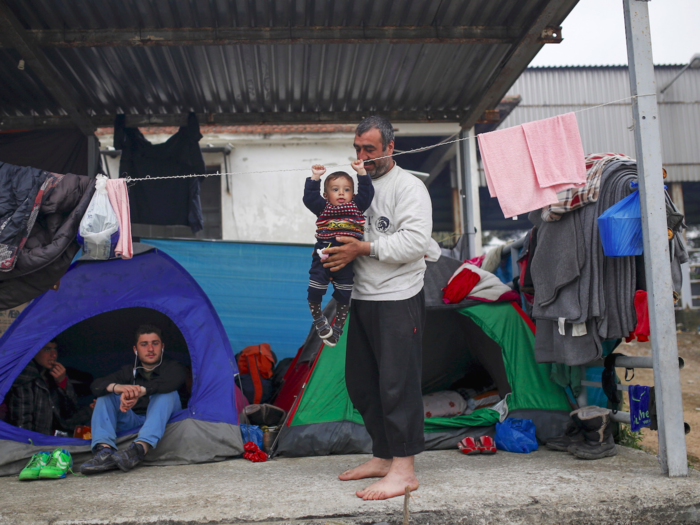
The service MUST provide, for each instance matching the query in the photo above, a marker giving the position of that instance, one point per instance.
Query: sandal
(468, 446)
(486, 445)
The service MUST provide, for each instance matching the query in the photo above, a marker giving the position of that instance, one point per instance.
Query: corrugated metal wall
(547, 92)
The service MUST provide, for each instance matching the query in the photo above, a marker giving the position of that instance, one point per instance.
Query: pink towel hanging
(119, 199)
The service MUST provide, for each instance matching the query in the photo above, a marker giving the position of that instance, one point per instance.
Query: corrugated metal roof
(547, 92)
(437, 81)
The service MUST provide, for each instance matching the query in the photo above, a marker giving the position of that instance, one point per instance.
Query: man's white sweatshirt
(399, 222)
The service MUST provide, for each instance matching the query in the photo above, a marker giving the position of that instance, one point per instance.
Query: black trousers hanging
(383, 372)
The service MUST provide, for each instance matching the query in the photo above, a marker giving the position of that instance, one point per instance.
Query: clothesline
(130, 181)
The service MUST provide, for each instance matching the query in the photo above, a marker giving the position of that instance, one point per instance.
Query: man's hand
(58, 372)
(316, 171)
(130, 391)
(340, 256)
(127, 404)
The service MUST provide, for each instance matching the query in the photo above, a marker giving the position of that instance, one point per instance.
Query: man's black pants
(383, 372)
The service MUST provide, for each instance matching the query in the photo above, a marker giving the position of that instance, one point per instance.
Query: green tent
(476, 344)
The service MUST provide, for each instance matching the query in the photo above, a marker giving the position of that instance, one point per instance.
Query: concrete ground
(542, 487)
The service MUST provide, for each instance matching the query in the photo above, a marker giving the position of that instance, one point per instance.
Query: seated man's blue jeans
(107, 419)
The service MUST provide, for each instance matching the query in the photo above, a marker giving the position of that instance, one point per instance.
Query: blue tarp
(258, 290)
(151, 280)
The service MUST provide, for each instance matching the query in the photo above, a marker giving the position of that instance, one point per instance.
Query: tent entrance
(102, 344)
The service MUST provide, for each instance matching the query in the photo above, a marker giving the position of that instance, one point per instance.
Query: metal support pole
(93, 160)
(469, 178)
(669, 403)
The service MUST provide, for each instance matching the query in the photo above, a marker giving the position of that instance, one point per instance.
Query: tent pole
(669, 403)
(469, 179)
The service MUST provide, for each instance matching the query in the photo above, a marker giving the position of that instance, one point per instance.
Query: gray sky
(594, 34)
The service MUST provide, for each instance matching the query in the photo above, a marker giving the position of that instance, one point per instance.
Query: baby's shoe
(323, 329)
(335, 337)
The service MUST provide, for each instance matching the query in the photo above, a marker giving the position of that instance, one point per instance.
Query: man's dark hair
(147, 329)
(338, 175)
(380, 123)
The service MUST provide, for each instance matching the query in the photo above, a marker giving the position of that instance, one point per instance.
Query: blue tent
(96, 296)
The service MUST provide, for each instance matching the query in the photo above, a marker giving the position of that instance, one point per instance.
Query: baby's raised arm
(359, 167)
(316, 171)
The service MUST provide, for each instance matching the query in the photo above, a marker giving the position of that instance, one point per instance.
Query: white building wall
(268, 207)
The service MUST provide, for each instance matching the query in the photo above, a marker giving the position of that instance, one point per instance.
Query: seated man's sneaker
(102, 461)
(130, 457)
(34, 466)
(60, 462)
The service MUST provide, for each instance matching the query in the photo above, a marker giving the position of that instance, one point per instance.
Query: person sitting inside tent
(42, 398)
(140, 395)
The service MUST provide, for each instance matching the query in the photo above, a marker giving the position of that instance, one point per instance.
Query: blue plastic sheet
(258, 290)
(620, 228)
(516, 435)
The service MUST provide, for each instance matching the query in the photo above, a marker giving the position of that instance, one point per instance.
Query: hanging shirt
(164, 202)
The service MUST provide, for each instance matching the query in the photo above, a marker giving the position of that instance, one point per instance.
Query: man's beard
(382, 169)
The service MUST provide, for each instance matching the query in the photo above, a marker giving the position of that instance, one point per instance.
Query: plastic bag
(516, 435)
(99, 227)
(620, 228)
(252, 433)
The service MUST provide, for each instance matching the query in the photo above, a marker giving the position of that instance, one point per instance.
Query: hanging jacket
(51, 244)
(164, 202)
(20, 197)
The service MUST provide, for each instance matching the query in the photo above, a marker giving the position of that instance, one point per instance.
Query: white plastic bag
(99, 224)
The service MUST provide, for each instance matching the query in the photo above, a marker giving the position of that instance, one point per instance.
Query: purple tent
(96, 297)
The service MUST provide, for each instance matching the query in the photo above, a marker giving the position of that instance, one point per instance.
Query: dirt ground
(689, 350)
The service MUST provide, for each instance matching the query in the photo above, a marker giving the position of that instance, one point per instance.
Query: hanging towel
(639, 407)
(119, 199)
(526, 167)
(556, 151)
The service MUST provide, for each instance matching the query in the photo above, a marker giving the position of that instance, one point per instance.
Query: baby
(340, 213)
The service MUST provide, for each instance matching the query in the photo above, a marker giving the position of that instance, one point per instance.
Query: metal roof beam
(188, 36)
(539, 33)
(234, 119)
(12, 34)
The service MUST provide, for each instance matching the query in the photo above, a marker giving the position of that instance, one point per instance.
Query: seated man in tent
(42, 398)
(140, 395)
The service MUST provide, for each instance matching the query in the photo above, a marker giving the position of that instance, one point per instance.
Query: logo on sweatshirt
(382, 224)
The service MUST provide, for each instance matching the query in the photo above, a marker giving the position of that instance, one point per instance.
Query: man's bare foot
(400, 476)
(374, 468)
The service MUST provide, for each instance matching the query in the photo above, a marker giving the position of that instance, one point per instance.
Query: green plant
(627, 438)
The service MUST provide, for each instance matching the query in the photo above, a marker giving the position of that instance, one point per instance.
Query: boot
(572, 434)
(597, 440)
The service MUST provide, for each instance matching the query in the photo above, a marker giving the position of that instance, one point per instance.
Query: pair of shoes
(588, 435)
(107, 458)
(596, 429)
(45, 465)
(480, 445)
(334, 337)
(102, 461)
(323, 328)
